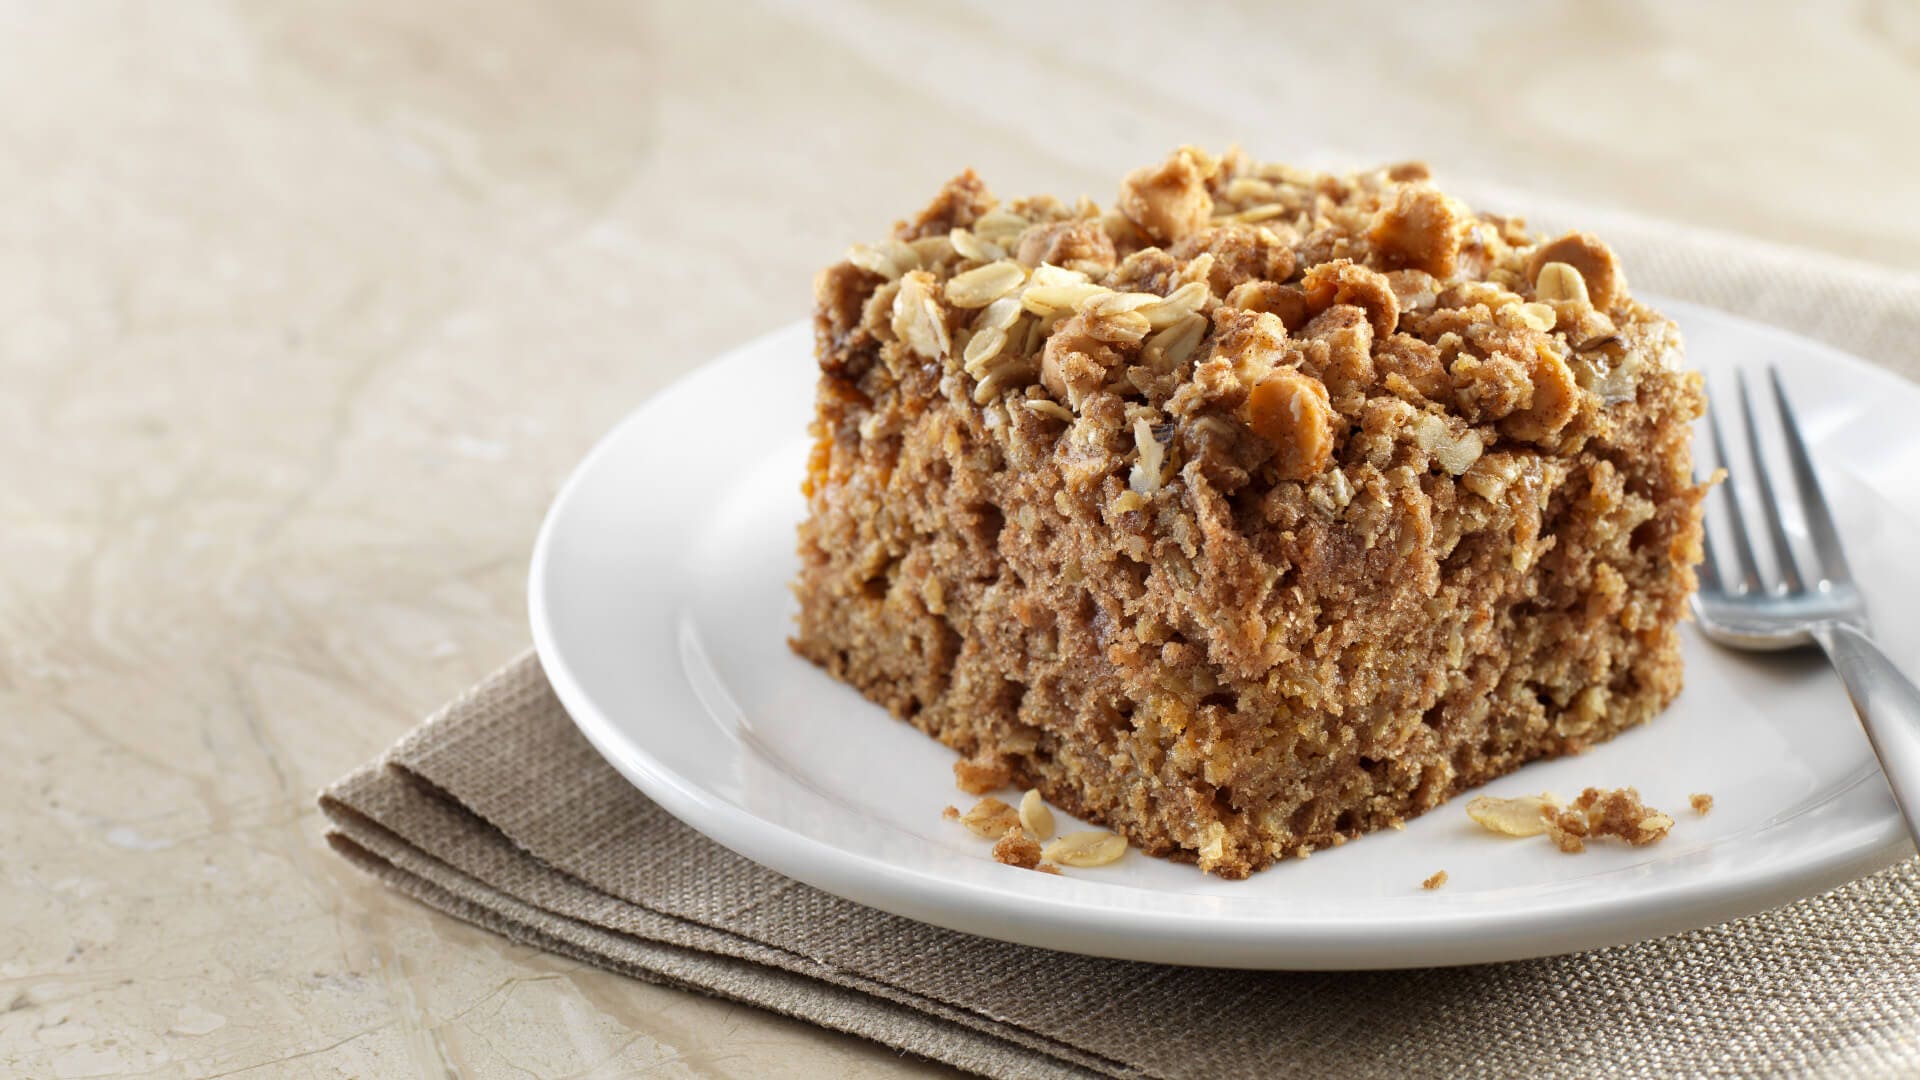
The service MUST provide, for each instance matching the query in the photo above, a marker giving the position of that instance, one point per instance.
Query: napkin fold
(496, 811)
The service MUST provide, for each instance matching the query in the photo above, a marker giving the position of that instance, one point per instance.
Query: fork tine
(1813, 504)
(1736, 521)
(1770, 501)
(1709, 570)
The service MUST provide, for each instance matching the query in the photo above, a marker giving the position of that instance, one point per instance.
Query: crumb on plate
(1016, 848)
(1594, 814)
(1599, 813)
(990, 818)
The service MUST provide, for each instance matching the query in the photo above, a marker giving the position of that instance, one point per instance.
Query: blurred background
(307, 307)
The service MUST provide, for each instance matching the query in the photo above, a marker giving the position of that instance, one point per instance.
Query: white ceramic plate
(660, 610)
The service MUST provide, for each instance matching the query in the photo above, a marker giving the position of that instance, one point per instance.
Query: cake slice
(1265, 510)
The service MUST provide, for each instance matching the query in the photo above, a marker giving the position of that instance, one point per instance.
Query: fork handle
(1889, 708)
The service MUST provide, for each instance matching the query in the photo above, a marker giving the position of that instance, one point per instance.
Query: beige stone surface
(306, 306)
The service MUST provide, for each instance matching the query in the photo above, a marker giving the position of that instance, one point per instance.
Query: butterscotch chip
(990, 818)
(1595, 268)
(977, 776)
(1702, 803)
(1167, 201)
(1289, 409)
(1289, 302)
(1016, 848)
(1555, 398)
(1434, 882)
(1344, 282)
(1421, 229)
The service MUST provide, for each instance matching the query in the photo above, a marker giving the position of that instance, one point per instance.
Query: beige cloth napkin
(497, 812)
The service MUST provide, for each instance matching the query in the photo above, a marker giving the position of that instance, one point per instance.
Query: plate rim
(1031, 914)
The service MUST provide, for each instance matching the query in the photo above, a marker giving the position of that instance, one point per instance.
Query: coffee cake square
(1266, 509)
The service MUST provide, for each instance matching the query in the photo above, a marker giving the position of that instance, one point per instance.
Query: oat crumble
(990, 818)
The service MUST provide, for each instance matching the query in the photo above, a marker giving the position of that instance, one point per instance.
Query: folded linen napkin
(498, 812)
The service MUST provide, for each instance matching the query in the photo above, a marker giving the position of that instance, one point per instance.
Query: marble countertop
(305, 309)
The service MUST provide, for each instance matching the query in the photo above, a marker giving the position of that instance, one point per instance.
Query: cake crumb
(977, 776)
(1048, 868)
(1434, 882)
(1702, 803)
(1599, 813)
(1016, 848)
(1568, 830)
(951, 813)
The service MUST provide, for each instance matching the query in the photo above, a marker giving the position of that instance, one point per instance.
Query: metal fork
(1819, 605)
